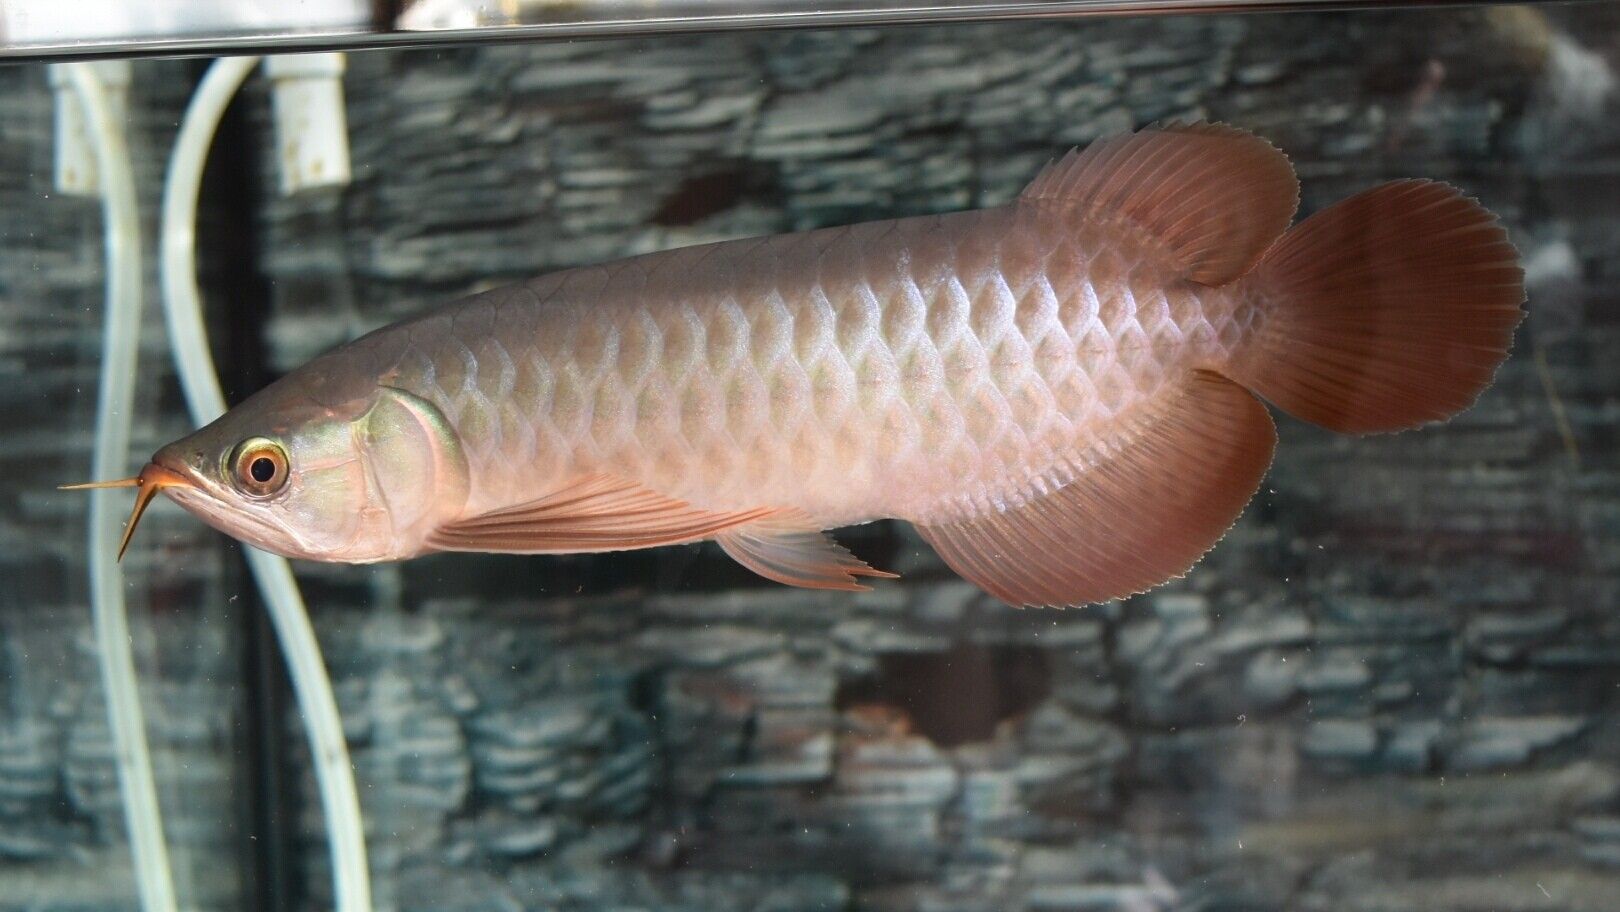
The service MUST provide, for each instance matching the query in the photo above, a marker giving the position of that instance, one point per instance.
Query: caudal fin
(1386, 311)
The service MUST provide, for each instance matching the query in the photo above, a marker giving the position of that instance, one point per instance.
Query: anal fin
(790, 548)
(1146, 502)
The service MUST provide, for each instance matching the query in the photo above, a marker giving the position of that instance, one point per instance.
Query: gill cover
(416, 472)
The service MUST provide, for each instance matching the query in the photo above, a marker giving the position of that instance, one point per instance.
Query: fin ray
(594, 513)
(1385, 311)
(790, 548)
(1144, 504)
(1214, 195)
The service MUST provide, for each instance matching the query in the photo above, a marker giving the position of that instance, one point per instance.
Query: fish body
(926, 368)
(1059, 391)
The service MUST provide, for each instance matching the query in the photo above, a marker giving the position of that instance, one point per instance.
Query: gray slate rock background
(1394, 686)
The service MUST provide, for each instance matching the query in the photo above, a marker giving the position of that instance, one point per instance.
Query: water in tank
(1393, 684)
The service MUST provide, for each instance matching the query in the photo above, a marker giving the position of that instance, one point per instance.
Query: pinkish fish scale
(908, 368)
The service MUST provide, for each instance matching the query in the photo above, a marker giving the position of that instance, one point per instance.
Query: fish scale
(815, 370)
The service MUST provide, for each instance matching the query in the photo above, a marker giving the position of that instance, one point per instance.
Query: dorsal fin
(1214, 195)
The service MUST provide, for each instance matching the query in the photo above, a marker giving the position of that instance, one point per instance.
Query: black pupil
(262, 469)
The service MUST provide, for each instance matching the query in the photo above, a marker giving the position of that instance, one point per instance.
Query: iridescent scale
(923, 368)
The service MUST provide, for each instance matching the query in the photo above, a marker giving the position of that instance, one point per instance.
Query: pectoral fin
(594, 513)
(1145, 503)
(607, 513)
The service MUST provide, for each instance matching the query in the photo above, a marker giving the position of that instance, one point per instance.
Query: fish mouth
(259, 530)
(152, 479)
(191, 490)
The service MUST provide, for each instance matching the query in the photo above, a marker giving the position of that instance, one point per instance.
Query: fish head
(361, 481)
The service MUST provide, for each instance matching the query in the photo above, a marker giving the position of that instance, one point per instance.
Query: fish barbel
(1060, 392)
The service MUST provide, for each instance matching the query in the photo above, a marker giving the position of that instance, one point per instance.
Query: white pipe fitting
(77, 171)
(312, 134)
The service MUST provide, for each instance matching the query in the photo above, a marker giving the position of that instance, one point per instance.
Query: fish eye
(259, 467)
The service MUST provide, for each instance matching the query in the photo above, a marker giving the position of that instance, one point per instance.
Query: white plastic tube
(119, 348)
(182, 306)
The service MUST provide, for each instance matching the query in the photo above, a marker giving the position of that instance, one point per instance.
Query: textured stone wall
(1394, 686)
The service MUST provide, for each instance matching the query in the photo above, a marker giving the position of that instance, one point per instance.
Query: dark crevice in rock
(701, 196)
(955, 697)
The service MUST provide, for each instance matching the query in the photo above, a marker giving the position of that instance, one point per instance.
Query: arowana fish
(1060, 392)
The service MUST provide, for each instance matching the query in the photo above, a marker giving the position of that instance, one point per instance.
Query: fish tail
(1388, 310)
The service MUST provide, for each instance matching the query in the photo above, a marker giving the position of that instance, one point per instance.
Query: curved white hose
(182, 306)
(115, 398)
